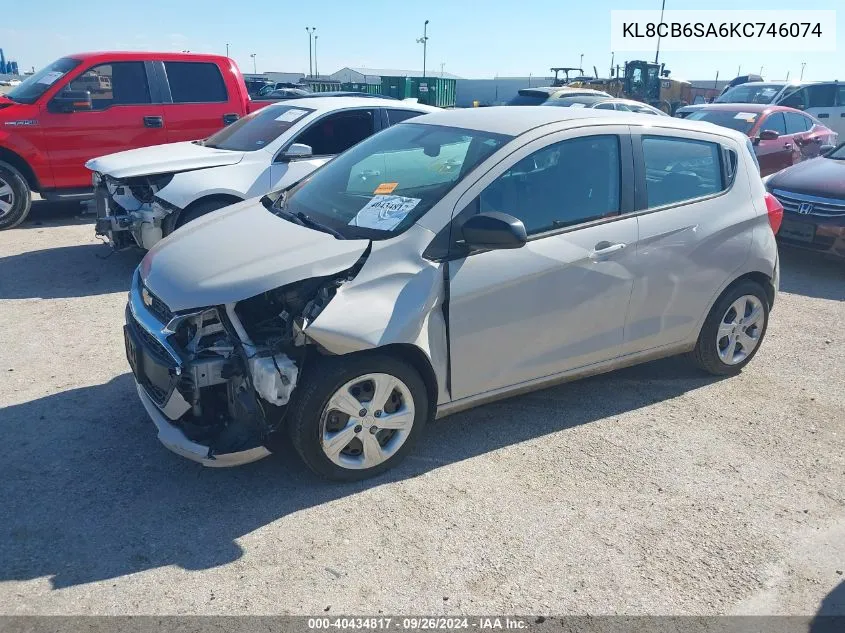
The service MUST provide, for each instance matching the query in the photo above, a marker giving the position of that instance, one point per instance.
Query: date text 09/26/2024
(418, 623)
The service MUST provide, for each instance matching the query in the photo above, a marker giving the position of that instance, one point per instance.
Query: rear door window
(796, 123)
(195, 82)
(118, 83)
(679, 169)
(338, 132)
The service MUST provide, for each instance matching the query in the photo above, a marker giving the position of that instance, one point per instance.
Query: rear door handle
(604, 248)
(153, 121)
(788, 145)
(230, 118)
(824, 115)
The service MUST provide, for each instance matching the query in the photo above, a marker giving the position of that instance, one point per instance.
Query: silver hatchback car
(445, 262)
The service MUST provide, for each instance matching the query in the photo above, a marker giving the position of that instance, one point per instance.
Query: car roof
(748, 107)
(517, 120)
(338, 103)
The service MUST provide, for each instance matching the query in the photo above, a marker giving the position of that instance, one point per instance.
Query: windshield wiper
(312, 223)
(303, 220)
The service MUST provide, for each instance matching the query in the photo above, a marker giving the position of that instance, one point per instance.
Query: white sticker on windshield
(50, 77)
(291, 115)
(384, 212)
(577, 105)
(746, 116)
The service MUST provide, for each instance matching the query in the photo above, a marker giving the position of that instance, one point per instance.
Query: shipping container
(436, 91)
(370, 89)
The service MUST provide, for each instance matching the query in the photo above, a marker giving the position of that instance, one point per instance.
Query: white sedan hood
(239, 252)
(162, 159)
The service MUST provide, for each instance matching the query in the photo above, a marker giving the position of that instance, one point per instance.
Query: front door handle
(228, 119)
(788, 145)
(823, 115)
(153, 121)
(604, 248)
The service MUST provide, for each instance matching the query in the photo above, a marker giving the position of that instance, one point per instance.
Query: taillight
(775, 210)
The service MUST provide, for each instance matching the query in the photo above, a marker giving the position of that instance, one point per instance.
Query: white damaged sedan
(448, 261)
(144, 194)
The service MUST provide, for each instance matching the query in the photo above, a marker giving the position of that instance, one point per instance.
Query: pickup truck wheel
(357, 416)
(15, 197)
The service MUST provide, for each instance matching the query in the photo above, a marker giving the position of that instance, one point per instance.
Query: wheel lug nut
(373, 430)
(378, 414)
(362, 413)
(358, 428)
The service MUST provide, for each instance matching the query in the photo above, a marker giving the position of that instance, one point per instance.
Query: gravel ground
(655, 490)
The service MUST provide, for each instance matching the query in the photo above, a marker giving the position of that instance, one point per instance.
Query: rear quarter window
(195, 82)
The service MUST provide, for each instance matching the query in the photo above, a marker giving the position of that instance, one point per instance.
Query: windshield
(255, 131)
(739, 121)
(36, 85)
(528, 97)
(384, 184)
(750, 93)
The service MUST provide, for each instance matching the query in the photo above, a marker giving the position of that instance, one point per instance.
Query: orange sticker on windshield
(385, 188)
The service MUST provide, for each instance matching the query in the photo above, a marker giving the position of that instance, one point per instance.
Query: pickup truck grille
(804, 204)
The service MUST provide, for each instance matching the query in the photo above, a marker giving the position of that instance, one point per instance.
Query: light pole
(581, 64)
(657, 54)
(254, 67)
(311, 30)
(424, 41)
(227, 49)
(316, 68)
(801, 78)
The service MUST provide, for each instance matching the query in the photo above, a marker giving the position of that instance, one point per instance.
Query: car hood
(162, 159)
(823, 177)
(239, 252)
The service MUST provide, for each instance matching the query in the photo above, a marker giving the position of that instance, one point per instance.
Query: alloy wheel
(7, 197)
(740, 329)
(367, 421)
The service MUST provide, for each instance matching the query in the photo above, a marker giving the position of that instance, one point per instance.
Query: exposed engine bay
(128, 210)
(238, 365)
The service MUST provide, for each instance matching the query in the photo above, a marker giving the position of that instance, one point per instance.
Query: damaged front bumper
(141, 226)
(175, 440)
(201, 402)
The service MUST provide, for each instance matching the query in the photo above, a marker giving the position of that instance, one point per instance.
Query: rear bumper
(175, 440)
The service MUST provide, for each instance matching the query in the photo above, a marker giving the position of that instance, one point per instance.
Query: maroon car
(781, 136)
(813, 197)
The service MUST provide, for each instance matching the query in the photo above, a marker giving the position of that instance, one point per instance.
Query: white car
(145, 194)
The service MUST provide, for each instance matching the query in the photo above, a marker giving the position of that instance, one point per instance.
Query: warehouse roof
(395, 72)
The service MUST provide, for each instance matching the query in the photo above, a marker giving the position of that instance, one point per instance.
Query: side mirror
(71, 101)
(298, 150)
(824, 149)
(768, 135)
(494, 230)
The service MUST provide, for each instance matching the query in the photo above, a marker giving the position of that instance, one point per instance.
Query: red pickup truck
(84, 106)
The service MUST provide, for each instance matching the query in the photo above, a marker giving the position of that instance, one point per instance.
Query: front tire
(357, 416)
(734, 329)
(15, 197)
(200, 209)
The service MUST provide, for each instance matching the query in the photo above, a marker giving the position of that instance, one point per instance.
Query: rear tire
(734, 330)
(313, 420)
(15, 197)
